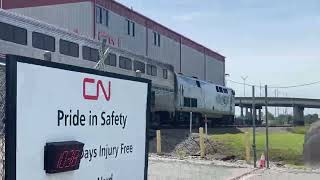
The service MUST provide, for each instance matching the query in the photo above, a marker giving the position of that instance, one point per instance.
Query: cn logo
(99, 87)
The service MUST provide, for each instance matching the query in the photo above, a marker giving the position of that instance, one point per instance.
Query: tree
(311, 118)
(270, 116)
(284, 119)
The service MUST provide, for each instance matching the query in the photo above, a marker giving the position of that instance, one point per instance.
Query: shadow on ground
(231, 130)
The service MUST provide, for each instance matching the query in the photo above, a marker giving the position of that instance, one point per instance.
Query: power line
(278, 87)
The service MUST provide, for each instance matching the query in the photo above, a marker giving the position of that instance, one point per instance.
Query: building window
(13, 34)
(69, 48)
(130, 28)
(106, 21)
(133, 28)
(194, 102)
(190, 102)
(43, 41)
(90, 54)
(186, 102)
(165, 74)
(137, 65)
(151, 70)
(111, 60)
(156, 39)
(98, 14)
(125, 63)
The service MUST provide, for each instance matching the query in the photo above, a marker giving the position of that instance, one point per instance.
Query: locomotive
(205, 101)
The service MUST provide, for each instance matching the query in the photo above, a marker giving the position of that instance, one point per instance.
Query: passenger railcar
(174, 96)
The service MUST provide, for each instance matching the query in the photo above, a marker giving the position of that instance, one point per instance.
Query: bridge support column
(241, 109)
(248, 112)
(298, 115)
(260, 116)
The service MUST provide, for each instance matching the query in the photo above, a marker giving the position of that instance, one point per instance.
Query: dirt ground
(178, 143)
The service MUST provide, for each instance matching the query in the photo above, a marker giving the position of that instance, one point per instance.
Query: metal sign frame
(11, 105)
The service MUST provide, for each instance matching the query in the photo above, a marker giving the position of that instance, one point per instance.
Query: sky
(272, 42)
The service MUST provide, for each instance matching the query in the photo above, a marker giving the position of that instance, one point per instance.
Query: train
(175, 98)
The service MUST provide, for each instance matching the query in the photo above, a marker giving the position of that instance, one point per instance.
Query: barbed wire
(276, 87)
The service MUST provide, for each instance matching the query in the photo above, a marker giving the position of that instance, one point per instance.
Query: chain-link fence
(2, 118)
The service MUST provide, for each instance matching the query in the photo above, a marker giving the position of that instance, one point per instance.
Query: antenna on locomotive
(103, 54)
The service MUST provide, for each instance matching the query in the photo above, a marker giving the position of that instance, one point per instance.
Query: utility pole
(275, 108)
(244, 85)
(267, 125)
(254, 116)
(278, 109)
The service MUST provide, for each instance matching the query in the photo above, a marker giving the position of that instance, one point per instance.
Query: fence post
(247, 146)
(190, 123)
(206, 124)
(202, 147)
(158, 142)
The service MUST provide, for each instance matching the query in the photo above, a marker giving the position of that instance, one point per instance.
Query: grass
(284, 146)
(299, 129)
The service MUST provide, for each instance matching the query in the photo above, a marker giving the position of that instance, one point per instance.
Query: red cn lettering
(98, 87)
(111, 41)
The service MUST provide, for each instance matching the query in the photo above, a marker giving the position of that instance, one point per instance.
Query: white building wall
(71, 16)
(168, 52)
(117, 31)
(80, 16)
(192, 62)
(214, 70)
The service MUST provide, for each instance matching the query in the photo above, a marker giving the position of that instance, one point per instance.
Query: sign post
(72, 123)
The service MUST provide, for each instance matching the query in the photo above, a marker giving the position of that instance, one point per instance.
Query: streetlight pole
(254, 117)
(244, 78)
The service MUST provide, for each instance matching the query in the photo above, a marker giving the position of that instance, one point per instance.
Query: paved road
(168, 169)
(282, 174)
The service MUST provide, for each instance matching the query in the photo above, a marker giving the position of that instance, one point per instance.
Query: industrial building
(128, 30)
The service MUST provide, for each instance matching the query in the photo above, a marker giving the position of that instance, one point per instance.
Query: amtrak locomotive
(173, 96)
(204, 99)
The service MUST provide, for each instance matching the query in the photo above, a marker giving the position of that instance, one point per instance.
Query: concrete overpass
(298, 105)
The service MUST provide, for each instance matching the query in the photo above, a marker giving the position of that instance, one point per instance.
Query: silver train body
(174, 95)
(203, 99)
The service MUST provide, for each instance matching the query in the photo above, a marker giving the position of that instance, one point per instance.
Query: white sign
(107, 114)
